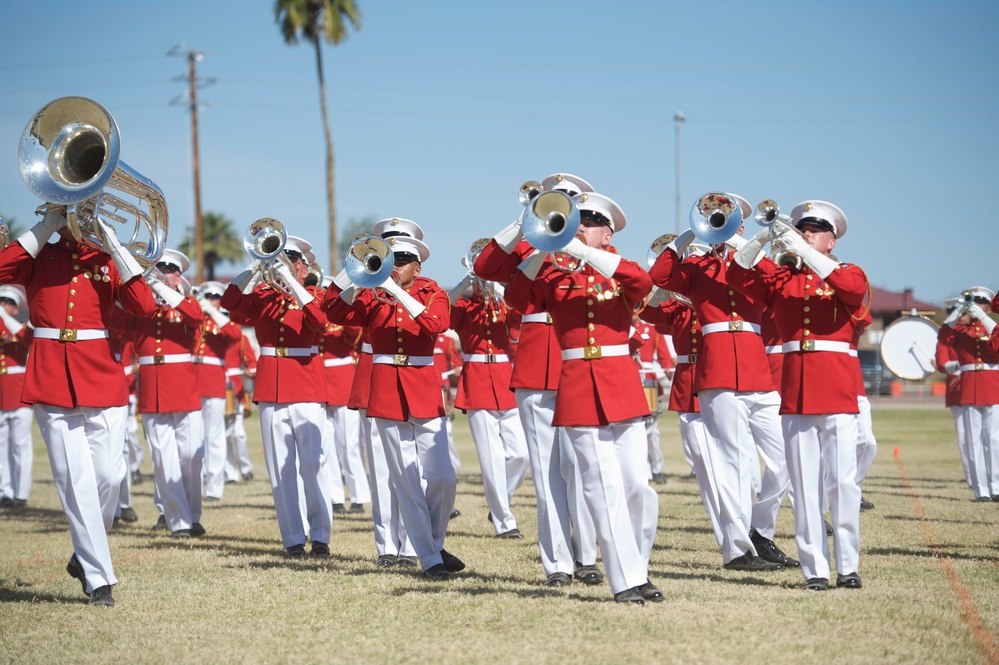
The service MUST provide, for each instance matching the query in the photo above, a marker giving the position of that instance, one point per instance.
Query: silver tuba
(369, 261)
(69, 155)
(264, 241)
(715, 217)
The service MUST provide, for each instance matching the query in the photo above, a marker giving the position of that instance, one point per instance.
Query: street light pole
(679, 119)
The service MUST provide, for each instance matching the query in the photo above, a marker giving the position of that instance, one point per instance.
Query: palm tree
(13, 228)
(317, 20)
(221, 243)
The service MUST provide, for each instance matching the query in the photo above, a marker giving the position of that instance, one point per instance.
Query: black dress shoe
(75, 571)
(753, 564)
(659, 478)
(160, 523)
(588, 574)
(455, 513)
(632, 596)
(6, 502)
(248, 476)
(769, 551)
(137, 477)
(983, 498)
(212, 499)
(339, 509)
(102, 597)
(386, 561)
(20, 503)
(356, 509)
(452, 563)
(129, 515)
(817, 584)
(512, 533)
(403, 560)
(296, 551)
(996, 497)
(321, 550)
(197, 530)
(848, 581)
(650, 592)
(183, 534)
(865, 504)
(558, 579)
(437, 573)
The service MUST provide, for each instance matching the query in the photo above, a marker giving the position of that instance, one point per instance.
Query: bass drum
(908, 347)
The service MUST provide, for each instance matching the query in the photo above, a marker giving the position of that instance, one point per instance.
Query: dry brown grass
(929, 561)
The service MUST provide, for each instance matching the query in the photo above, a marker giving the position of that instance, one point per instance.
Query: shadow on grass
(24, 595)
(949, 551)
(910, 518)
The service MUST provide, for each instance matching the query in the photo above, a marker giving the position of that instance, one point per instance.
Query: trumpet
(69, 155)
(529, 190)
(265, 241)
(768, 216)
(491, 291)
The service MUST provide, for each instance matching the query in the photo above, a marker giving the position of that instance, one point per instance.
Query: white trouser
(566, 533)
(85, 453)
(16, 453)
(333, 466)
(735, 422)
(981, 430)
(125, 491)
(451, 450)
(237, 460)
(390, 530)
(294, 448)
(133, 449)
(612, 464)
(503, 461)
(867, 445)
(421, 473)
(213, 420)
(178, 450)
(822, 459)
(693, 435)
(962, 442)
(347, 435)
(656, 460)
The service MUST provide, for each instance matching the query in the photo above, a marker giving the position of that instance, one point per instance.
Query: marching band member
(168, 400)
(404, 398)
(447, 360)
(77, 388)
(124, 352)
(945, 361)
(289, 388)
(484, 394)
(867, 444)
(217, 335)
(16, 451)
(240, 360)
(654, 361)
(566, 533)
(600, 401)
(979, 400)
(817, 309)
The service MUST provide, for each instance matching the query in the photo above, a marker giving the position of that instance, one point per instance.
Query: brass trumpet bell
(550, 221)
(715, 217)
(369, 261)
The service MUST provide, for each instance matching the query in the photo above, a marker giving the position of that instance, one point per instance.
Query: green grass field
(929, 563)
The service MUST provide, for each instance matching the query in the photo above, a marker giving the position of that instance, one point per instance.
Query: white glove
(170, 296)
(665, 384)
(126, 264)
(531, 266)
(681, 243)
(751, 252)
(245, 278)
(951, 367)
(813, 258)
(297, 290)
(954, 315)
(736, 242)
(603, 262)
(342, 280)
(978, 314)
(407, 301)
(348, 294)
(53, 220)
(220, 319)
(13, 325)
(455, 293)
(508, 238)
(657, 297)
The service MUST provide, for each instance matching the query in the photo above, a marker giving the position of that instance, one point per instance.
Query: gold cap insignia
(583, 198)
(809, 206)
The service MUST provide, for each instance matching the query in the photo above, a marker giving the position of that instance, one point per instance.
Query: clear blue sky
(440, 111)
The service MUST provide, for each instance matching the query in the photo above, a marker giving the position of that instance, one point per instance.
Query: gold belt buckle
(3, 370)
(979, 366)
(735, 326)
(158, 360)
(592, 352)
(490, 357)
(400, 360)
(693, 358)
(67, 335)
(281, 351)
(808, 345)
(548, 318)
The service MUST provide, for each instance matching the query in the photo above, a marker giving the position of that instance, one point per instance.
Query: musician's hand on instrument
(53, 215)
(408, 302)
(680, 244)
(508, 238)
(951, 367)
(750, 254)
(793, 242)
(954, 315)
(603, 262)
(976, 312)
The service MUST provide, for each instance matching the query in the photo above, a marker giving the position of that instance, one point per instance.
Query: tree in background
(315, 21)
(13, 228)
(221, 242)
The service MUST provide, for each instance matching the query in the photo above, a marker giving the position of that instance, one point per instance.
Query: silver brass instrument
(550, 221)
(315, 275)
(369, 261)
(768, 216)
(657, 247)
(715, 217)
(491, 291)
(69, 155)
(264, 241)
(529, 190)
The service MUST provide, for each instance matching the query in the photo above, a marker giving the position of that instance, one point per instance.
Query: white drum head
(908, 346)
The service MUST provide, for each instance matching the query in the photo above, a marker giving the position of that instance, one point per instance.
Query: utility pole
(191, 100)
(679, 119)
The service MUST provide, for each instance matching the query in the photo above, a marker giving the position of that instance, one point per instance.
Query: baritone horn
(264, 241)
(69, 155)
(715, 217)
(550, 220)
(369, 261)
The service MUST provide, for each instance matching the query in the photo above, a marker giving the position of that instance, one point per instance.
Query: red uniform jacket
(13, 362)
(728, 360)
(399, 391)
(539, 359)
(807, 308)
(338, 347)
(67, 290)
(979, 387)
(481, 327)
(210, 353)
(447, 360)
(589, 310)
(676, 319)
(952, 386)
(281, 325)
(650, 351)
(360, 389)
(239, 359)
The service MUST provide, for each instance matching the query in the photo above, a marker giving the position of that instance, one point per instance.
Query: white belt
(730, 326)
(366, 348)
(70, 334)
(538, 317)
(208, 360)
(777, 348)
(168, 359)
(129, 370)
(401, 360)
(486, 358)
(288, 351)
(690, 360)
(338, 362)
(12, 369)
(596, 351)
(978, 367)
(234, 371)
(818, 345)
